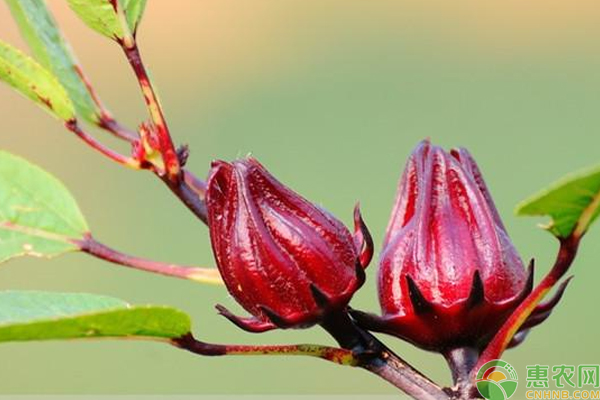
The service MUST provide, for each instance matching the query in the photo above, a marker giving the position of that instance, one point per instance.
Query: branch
(190, 189)
(375, 357)
(396, 371)
(187, 187)
(204, 275)
(191, 196)
(167, 148)
(108, 123)
(387, 365)
(74, 127)
(332, 354)
(358, 349)
(195, 184)
(105, 120)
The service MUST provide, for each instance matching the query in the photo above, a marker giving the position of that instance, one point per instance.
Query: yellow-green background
(331, 96)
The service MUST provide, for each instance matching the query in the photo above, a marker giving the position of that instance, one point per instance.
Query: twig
(109, 124)
(386, 365)
(187, 187)
(196, 184)
(167, 148)
(74, 127)
(375, 357)
(333, 354)
(205, 275)
(105, 120)
(190, 196)
(190, 190)
(397, 372)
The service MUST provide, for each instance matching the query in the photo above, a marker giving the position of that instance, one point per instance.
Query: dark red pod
(449, 275)
(285, 260)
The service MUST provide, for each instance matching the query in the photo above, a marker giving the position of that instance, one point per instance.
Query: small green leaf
(38, 215)
(108, 16)
(134, 10)
(50, 49)
(34, 81)
(573, 203)
(29, 315)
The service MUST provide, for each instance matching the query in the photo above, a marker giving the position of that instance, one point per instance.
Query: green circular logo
(497, 380)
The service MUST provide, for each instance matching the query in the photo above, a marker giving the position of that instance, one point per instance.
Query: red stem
(167, 148)
(105, 120)
(190, 196)
(375, 357)
(109, 124)
(338, 356)
(91, 246)
(190, 190)
(74, 127)
(196, 184)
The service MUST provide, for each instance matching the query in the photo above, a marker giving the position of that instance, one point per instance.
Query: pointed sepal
(363, 241)
(249, 324)
(420, 304)
(477, 295)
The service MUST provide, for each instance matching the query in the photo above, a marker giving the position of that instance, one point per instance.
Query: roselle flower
(449, 275)
(285, 260)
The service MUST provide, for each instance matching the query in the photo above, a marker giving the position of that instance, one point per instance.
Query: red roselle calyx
(285, 260)
(449, 275)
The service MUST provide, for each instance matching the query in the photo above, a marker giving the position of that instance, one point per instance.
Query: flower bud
(285, 260)
(449, 275)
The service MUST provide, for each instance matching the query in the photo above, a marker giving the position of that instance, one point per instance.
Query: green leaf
(29, 315)
(134, 10)
(34, 81)
(38, 215)
(573, 203)
(108, 16)
(50, 49)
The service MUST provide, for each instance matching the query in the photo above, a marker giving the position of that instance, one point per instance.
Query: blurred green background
(330, 95)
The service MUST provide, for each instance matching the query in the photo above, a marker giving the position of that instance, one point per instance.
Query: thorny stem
(499, 343)
(205, 275)
(375, 357)
(167, 148)
(74, 127)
